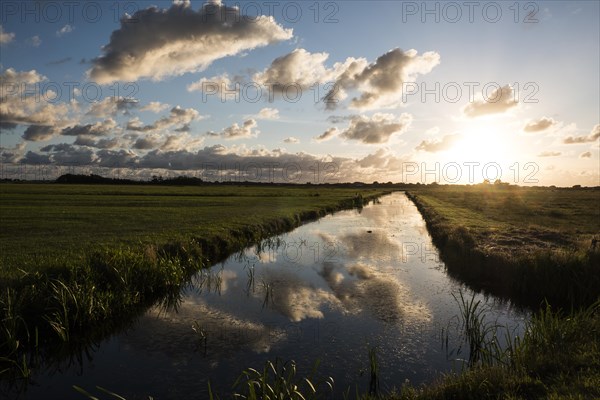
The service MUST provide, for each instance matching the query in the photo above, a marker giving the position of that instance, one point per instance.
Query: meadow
(79, 258)
(528, 245)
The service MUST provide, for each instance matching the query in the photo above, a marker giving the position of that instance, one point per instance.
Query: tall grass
(558, 357)
(479, 336)
(280, 381)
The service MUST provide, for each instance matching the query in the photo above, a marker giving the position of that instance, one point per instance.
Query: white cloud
(155, 107)
(592, 137)
(181, 141)
(179, 40)
(64, 30)
(221, 86)
(234, 132)
(34, 41)
(268, 113)
(291, 140)
(499, 100)
(6, 37)
(299, 67)
(18, 109)
(435, 145)
(539, 125)
(381, 83)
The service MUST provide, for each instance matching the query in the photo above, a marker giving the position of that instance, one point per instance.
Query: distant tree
(576, 186)
(486, 181)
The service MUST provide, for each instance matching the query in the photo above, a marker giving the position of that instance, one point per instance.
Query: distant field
(527, 243)
(519, 218)
(54, 220)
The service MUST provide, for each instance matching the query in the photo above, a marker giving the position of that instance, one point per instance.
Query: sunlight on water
(329, 290)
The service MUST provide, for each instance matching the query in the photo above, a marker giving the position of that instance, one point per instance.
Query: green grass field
(77, 258)
(519, 218)
(526, 244)
(52, 219)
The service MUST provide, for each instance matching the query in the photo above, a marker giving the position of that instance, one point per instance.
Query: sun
(482, 142)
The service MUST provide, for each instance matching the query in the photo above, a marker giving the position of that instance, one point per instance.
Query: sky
(302, 91)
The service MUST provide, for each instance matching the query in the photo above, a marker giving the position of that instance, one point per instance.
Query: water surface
(329, 290)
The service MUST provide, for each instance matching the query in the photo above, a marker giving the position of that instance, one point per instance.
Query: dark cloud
(146, 143)
(57, 147)
(498, 101)
(435, 145)
(377, 129)
(37, 133)
(111, 106)
(177, 116)
(117, 159)
(67, 154)
(328, 134)
(107, 143)
(539, 125)
(12, 154)
(32, 158)
(229, 160)
(587, 154)
(6, 126)
(592, 137)
(98, 129)
(161, 43)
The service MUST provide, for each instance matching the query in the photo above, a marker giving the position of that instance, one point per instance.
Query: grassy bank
(76, 258)
(536, 247)
(524, 244)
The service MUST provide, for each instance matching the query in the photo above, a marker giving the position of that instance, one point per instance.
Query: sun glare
(482, 143)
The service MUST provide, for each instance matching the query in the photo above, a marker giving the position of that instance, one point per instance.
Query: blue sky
(540, 74)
